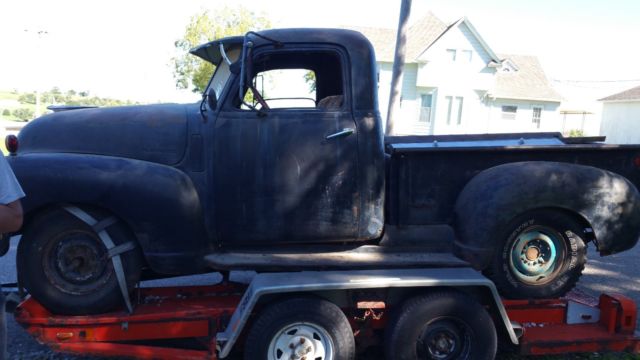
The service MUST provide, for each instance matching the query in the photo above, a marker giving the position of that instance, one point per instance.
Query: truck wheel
(542, 255)
(64, 265)
(441, 325)
(301, 328)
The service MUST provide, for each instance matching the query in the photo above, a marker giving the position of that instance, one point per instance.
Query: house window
(425, 108)
(537, 114)
(509, 112)
(449, 101)
(451, 54)
(467, 55)
(459, 101)
(454, 109)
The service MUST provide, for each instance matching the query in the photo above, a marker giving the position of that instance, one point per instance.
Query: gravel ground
(617, 273)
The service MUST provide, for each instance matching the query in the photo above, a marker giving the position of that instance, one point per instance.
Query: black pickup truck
(242, 181)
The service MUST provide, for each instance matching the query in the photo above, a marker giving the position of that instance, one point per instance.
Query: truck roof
(211, 52)
(360, 59)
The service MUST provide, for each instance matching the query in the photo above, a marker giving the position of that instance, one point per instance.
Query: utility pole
(398, 65)
(39, 34)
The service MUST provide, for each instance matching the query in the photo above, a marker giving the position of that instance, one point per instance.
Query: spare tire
(65, 266)
(541, 254)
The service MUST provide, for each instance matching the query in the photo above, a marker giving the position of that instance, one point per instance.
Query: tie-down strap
(113, 251)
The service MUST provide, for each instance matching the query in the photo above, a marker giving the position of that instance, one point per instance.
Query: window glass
(459, 101)
(451, 54)
(296, 80)
(509, 112)
(286, 88)
(425, 108)
(537, 114)
(467, 55)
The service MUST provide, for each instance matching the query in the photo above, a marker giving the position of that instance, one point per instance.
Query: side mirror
(212, 98)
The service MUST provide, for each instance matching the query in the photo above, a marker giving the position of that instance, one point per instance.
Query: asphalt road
(617, 273)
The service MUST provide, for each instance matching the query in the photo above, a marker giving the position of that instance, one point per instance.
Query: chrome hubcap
(301, 341)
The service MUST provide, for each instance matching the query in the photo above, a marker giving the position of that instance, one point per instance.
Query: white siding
(409, 98)
(435, 73)
(620, 122)
(549, 119)
(437, 69)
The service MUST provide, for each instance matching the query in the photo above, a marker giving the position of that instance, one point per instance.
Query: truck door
(288, 174)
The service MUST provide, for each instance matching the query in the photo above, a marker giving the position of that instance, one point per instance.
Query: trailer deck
(165, 317)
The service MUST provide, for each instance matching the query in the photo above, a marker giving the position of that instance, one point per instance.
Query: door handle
(342, 133)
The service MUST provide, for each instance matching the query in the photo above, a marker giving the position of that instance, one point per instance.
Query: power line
(596, 81)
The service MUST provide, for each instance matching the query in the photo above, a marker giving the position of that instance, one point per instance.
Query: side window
(285, 88)
(291, 80)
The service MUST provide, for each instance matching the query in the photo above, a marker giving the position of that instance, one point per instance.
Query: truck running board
(363, 257)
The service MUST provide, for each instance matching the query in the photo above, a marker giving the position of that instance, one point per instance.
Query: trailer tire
(550, 233)
(300, 325)
(64, 265)
(445, 324)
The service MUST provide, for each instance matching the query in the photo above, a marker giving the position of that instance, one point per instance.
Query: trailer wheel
(64, 265)
(300, 328)
(441, 325)
(542, 255)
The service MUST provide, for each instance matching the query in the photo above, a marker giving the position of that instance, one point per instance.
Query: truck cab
(292, 169)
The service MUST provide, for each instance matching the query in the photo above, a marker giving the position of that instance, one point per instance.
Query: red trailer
(209, 322)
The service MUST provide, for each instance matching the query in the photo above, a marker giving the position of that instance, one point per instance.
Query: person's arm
(10, 217)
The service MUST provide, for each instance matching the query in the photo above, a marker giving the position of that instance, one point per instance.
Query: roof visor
(211, 51)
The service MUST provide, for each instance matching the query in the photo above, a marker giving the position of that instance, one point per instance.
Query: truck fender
(158, 202)
(606, 202)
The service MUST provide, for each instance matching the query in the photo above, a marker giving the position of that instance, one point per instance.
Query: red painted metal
(160, 313)
(200, 312)
(546, 330)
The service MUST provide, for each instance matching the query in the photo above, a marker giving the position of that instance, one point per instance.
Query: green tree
(23, 114)
(6, 112)
(576, 133)
(28, 98)
(193, 72)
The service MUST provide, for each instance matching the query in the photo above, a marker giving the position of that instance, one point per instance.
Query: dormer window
(451, 54)
(467, 55)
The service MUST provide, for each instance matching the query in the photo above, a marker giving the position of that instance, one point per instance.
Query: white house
(454, 83)
(621, 117)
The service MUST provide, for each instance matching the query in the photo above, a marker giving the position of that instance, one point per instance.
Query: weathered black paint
(189, 185)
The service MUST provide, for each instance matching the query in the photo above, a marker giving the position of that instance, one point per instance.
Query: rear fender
(159, 202)
(608, 202)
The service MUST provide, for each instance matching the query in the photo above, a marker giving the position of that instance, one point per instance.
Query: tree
(28, 98)
(23, 114)
(6, 112)
(193, 72)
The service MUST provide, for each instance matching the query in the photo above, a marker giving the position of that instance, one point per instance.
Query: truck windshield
(222, 72)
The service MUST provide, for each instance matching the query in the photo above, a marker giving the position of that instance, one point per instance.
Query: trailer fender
(604, 201)
(323, 282)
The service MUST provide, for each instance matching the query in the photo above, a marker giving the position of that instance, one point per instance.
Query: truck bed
(426, 173)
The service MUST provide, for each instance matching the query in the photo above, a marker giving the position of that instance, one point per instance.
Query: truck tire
(541, 255)
(310, 328)
(64, 265)
(441, 325)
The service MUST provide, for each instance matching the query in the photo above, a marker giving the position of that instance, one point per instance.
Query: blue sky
(122, 48)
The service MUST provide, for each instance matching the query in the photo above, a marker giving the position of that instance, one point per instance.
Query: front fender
(158, 202)
(607, 201)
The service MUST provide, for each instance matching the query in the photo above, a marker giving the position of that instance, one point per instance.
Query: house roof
(420, 36)
(528, 82)
(632, 94)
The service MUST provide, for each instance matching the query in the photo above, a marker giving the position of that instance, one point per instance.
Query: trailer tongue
(207, 322)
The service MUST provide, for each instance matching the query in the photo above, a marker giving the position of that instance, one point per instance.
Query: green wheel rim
(536, 255)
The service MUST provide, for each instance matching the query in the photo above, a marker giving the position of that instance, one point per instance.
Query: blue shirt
(10, 189)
